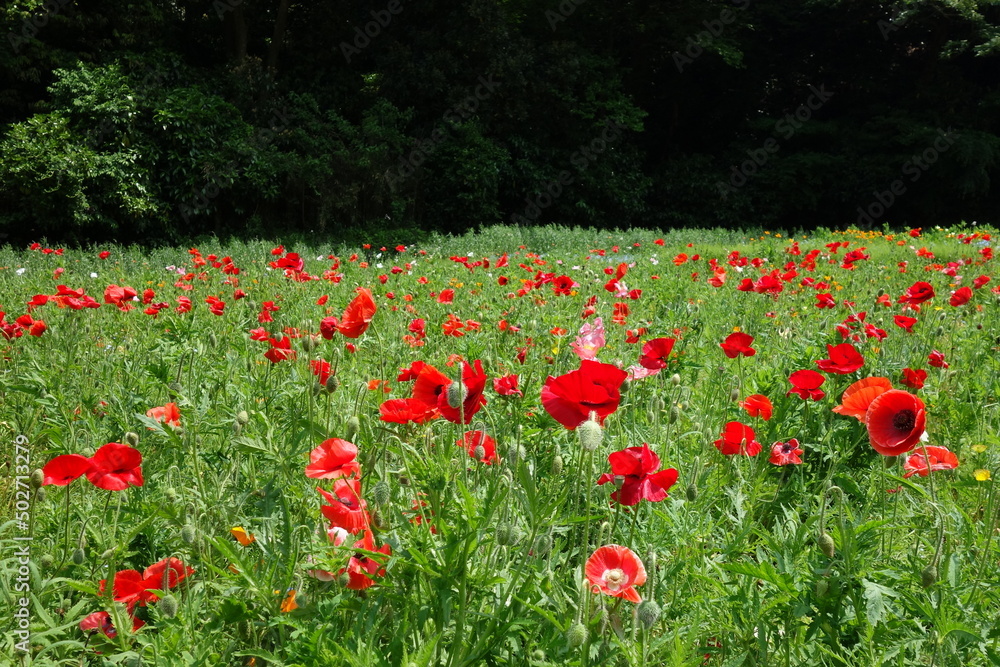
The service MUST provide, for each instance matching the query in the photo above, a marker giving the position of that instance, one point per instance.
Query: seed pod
(168, 606)
(557, 465)
(132, 439)
(78, 556)
(188, 534)
(826, 545)
(351, 428)
(576, 635)
(691, 492)
(929, 576)
(37, 477)
(590, 435)
(648, 613)
(381, 494)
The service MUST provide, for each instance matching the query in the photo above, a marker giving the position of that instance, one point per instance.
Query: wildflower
(333, 458)
(615, 570)
(736, 344)
(638, 467)
(806, 383)
(738, 438)
(786, 453)
(843, 359)
(940, 458)
(594, 387)
(857, 397)
(758, 405)
(895, 422)
(115, 467)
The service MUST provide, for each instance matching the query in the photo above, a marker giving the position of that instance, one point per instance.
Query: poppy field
(517, 447)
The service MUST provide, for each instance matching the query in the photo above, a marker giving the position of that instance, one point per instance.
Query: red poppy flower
(758, 405)
(281, 349)
(736, 344)
(786, 453)
(358, 315)
(63, 469)
(918, 292)
(346, 508)
(167, 414)
(174, 569)
(655, 353)
(474, 439)
(362, 568)
(615, 570)
(806, 383)
(980, 281)
(101, 620)
(120, 296)
(321, 369)
(637, 466)
(914, 379)
(406, 410)
(333, 458)
(411, 372)
(859, 396)
(432, 387)
(594, 387)
(904, 322)
(936, 359)
(895, 422)
(960, 296)
(940, 458)
(738, 438)
(843, 359)
(115, 467)
(507, 385)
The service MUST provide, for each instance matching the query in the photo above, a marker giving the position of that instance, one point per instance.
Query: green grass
(739, 578)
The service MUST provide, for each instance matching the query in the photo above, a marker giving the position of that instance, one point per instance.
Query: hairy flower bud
(648, 613)
(822, 586)
(734, 395)
(108, 553)
(78, 556)
(351, 428)
(168, 606)
(576, 636)
(332, 383)
(188, 534)
(590, 434)
(456, 394)
(40, 495)
(674, 414)
(212, 339)
(542, 545)
(826, 545)
(557, 465)
(691, 492)
(37, 477)
(381, 493)
(479, 452)
(46, 561)
(309, 343)
(132, 439)
(675, 379)
(507, 534)
(929, 576)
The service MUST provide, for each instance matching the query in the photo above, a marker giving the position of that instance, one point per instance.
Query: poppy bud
(37, 477)
(168, 606)
(648, 613)
(171, 494)
(343, 579)
(940, 332)
(46, 561)
(242, 417)
(657, 404)
(557, 465)
(40, 495)
(542, 545)
(108, 553)
(332, 383)
(675, 379)
(78, 556)
(351, 428)
(619, 481)
(381, 493)
(734, 395)
(590, 434)
(691, 492)
(456, 394)
(538, 655)
(212, 340)
(624, 388)
(929, 576)
(309, 343)
(379, 522)
(674, 413)
(175, 388)
(650, 415)
(316, 389)
(576, 635)
(507, 534)
(515, 453)
(132, 439)
(188, 534)
(826, 545)
(822, 586)
(479, 452)
(881, 291)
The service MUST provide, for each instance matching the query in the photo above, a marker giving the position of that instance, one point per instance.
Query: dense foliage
(156, 121)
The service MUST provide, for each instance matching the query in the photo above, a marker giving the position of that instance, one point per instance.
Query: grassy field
(520, 447)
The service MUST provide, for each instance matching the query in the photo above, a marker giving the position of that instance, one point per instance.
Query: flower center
(904, 420)
(614, 578)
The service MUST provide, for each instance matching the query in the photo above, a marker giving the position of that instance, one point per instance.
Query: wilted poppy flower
(655, 353)
(405, 411)
(857, 397)
(914, 379)
(507, 385)
(919, 292)
(363, 568)
(960, 296)
(432, 387)
(758, 405)
(806, 383)
(333, 458)
(637, 468)
(63, 469)
(736, 344)
(843, 359)
(594, 387)
(895, 422)
(936, 359)
(115, 467)
(167, 414)
(738, 438)
(940, 458)
(346, 508)
(786, 453)
(475, 439)
(615, 570)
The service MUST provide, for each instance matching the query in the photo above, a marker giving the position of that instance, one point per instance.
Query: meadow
(517, 447)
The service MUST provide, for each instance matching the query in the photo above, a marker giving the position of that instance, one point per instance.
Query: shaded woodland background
(156, 121)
